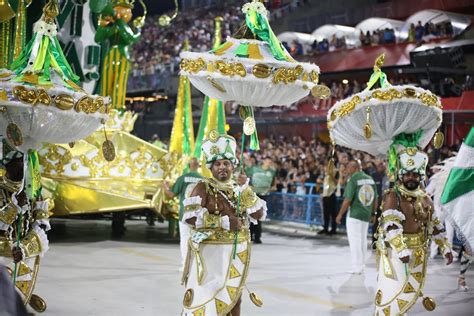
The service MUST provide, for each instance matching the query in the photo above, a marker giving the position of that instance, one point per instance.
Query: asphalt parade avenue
(86, 272)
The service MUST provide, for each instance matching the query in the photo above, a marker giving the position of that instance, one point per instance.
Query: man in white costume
(219, 248)
(407, 225)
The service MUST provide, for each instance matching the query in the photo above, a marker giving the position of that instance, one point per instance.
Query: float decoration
(40, 99)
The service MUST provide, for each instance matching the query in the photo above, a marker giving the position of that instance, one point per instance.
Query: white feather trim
(44, 222)
(447, 250)
(436, 185)
(390, 223)
(193, 200)
(43, 240)
(42, 205)
(440, 235)
(225, 222)
(394, 212)
(199, 214)
(393, 233)
(239, 189)
(404, 253)
(3, 226)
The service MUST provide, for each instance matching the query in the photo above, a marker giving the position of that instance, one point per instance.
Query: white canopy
(303, 38)
(372, 24)
(459, 21)
(328, 30)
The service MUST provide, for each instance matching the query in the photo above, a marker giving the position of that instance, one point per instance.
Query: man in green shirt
(360, 197)
(182, 188)
(263, 181)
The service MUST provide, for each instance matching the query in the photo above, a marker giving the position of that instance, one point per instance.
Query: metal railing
(305, 209)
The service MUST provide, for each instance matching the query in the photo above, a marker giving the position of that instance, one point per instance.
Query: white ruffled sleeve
(193, 208)
(392, 213)
(225, 222)
(260, 205)
(43, 240)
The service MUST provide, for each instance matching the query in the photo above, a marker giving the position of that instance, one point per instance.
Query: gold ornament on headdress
(51, 11)
(379, 62)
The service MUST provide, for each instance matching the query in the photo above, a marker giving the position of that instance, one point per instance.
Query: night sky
(157, 6)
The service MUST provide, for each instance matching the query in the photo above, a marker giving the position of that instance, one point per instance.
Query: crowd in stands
(298, 162)
(160, 46)
(416, 34)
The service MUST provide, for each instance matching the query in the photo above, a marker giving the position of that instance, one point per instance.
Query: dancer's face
(411, 180)
(222, 169)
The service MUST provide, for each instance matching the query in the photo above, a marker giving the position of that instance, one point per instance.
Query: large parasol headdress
(40, 99)
(393, 121)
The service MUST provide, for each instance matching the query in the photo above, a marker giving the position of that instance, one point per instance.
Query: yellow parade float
(81, 178)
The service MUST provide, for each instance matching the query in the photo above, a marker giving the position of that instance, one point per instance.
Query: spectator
(329, 203)
(419, 32)
(412, 33)
(367, 39)
(360, 198)
(263, 182)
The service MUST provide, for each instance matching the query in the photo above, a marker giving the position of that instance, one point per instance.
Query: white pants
(357, 235)
(184, 234)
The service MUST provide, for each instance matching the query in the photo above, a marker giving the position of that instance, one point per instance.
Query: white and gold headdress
(218, 147)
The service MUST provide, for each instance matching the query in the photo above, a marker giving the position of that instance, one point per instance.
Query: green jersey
(182, 186)
(262, 179)
(362, 192)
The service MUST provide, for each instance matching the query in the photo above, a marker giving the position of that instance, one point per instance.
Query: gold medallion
(320, 91)
(37, 303)
(249, 126)
(429, 304)
(438, 140)
(242, 113)
(188, 298)
(261, 71)
(256, 300)
(411, 151)
(108, 150)
(213, 136)
(14, 134)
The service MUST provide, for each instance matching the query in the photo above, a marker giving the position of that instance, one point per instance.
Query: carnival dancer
(23, 225)
(406, 226)
(219, 248)
(397, 122)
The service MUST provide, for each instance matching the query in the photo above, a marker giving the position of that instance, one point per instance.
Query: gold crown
(124, 3)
